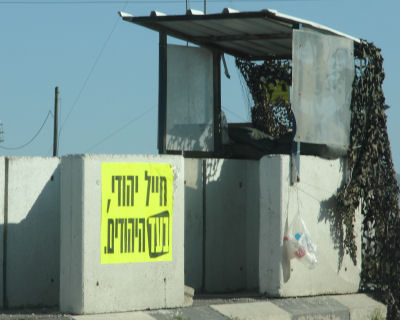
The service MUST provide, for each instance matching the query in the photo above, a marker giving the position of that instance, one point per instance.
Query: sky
(107, 69)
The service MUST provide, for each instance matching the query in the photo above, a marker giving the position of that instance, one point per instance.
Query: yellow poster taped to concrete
(136, 212)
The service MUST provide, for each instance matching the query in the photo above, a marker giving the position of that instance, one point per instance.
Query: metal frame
(162, 93)
(162, 102)
(156, 23)
(217, 101)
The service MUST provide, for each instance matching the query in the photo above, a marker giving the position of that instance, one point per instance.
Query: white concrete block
(87, 285)
(194, 223)
(232, 218)
(116, 316)
(362, 307)
(2, 186)
(279, 203)
(255, 311)
(230, 213)
(32, 257)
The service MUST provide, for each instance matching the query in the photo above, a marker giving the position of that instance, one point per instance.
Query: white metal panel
(323, 74)
(206, 30)
(190, 99)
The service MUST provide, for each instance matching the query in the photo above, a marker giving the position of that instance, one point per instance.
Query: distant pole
(205, 6)
(187, 7)
(1, 132)
(55, 138)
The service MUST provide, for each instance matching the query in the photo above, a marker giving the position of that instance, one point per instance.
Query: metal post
(217, 101)
(55, 136)
(205, 6)
(162, 93)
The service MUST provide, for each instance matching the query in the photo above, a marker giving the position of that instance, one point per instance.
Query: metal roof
(252, 35)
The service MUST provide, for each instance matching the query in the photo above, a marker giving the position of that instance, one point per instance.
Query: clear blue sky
(107, 69)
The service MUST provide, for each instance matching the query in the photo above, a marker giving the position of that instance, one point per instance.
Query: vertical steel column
(5, 233)
(55, 136)
(162, 93)
(217, 101)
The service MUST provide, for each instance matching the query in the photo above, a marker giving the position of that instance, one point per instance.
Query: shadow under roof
(251, 35)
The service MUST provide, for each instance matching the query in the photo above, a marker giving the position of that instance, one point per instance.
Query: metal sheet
(322, 75)
(190, 99)
(205, 30)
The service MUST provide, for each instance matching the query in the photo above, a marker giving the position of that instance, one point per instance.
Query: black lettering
(131, 221)
(125, 235)
(142, 221)
(163, 191)
(119, 178)
(110, 236)
(123, 190)
(148, 179)
(121, 222)
(130, 178)
(158, 234)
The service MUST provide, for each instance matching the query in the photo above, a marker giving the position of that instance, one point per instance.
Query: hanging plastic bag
(299, 243)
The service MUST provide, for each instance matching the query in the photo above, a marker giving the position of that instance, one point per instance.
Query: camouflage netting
(372, 186)
(269, 85)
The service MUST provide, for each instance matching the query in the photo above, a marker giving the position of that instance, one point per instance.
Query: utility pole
(1, 132)
(55, 137)
(205, 7)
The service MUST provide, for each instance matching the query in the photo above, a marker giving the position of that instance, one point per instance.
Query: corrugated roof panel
(252, 25)
(253, 49)
(244, 34)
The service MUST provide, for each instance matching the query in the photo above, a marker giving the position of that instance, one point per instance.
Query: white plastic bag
(299, 243)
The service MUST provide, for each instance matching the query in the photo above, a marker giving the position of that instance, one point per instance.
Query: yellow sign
(136, 212)
(279, 92)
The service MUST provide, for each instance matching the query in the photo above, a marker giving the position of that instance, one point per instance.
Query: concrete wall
(2, 189)
(86, 285)
(32, 231)
(194, 223)
(230, 260)
(279, 203)
(248, 204)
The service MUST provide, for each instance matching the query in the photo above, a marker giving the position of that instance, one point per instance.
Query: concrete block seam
(5, 223)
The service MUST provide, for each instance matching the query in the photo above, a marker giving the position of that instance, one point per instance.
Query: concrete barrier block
(32, 248)
(2, 189)
(86, 284)
(231, 248)
(313, 197)
(194, 223)
(223, 194)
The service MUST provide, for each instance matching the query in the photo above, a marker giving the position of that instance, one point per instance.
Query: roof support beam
(217, 101)
(238, 37)
(162, 93)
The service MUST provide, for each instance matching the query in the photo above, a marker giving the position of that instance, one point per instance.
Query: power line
(120, 129)
(88, 76)
(90, 72)
(234, 113)
(30, 140)
(53, 2)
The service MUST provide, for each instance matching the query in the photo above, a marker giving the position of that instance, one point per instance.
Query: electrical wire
(234, 113)
(120, 129)
(53, 2)
(88, 76)
(96, 61)
(30, 140)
